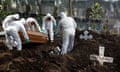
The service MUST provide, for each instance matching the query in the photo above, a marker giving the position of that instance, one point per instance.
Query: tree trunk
(55, 11)
(70, 8)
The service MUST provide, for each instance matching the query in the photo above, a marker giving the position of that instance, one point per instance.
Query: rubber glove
(42, 31)
(27, 41)
(55, 26)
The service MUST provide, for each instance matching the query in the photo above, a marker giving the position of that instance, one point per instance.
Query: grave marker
(85, 36)
(101, 58)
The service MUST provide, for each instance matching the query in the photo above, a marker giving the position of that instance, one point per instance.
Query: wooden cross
(85, 36)
(101, 58)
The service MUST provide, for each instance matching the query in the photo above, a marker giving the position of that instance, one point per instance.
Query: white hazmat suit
(48, 23)
(7, 21)
(68, 26)
(31, 23)
(13, 35)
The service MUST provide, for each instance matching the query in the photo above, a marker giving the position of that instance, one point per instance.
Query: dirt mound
(36, 57)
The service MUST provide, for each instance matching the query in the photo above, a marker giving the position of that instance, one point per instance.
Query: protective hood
(48, 14)
(16, 16)
(63, 14)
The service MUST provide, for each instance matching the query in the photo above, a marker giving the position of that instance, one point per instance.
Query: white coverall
(68, 26)
(13, 35)
(31, 23)
(48, 25)
(7, 21)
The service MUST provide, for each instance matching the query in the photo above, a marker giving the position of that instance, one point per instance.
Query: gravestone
(101, 58)
(86, 35)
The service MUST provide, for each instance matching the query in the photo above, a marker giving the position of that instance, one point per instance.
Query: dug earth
(36, 57)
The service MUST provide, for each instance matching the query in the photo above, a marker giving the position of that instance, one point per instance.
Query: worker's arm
(54, 21)
(43, 23)
(25, 34)
(38, 26)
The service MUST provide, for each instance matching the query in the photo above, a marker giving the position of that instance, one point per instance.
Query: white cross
(86, 36)
(101, 58)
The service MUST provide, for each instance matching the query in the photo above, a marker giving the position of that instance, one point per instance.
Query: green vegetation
(96, 12)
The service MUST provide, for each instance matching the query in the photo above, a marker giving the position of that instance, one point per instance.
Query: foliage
(94, 13)
(5, 13)
(97, 11)
(40, 17)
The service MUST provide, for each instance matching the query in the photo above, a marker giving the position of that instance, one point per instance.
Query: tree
(95, 14)
(97, 11)
(70, 8)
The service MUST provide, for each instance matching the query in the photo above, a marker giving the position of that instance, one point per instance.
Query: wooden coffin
(35, 37)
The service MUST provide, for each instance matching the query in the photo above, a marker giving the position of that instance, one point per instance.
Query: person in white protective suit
(47, 27)
(13, 35)
(32, 24)
(67, 26)
(7, 21)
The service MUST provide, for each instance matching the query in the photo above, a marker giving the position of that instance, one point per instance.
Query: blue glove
(55, 26)
(27, 41)
(42, 31)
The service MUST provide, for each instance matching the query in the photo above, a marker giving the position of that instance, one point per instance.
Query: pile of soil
(36, 57)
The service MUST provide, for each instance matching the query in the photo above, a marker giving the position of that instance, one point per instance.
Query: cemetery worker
(67, 26)
(48, 23)
(13, 35)
(31, 23)
(7, 21)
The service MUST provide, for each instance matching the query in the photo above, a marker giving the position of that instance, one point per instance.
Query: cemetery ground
(37, 57)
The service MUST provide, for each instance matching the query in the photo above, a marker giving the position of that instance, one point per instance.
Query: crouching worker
(47, 26)
(7, 21)
(67, 26)
(32, 24)
(13, 35)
